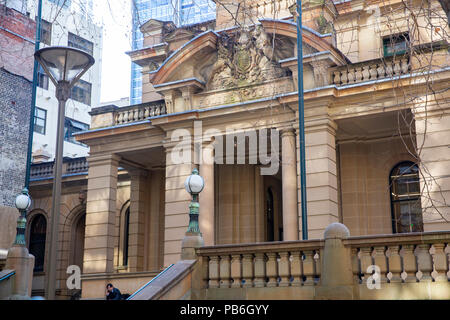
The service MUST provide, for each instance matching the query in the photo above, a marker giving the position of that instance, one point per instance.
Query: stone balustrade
(277, 264)
(70, 166)
(138, 112)
(405, 266)
(401, 258)
(77, 165)
(41, 170)
(371, 70)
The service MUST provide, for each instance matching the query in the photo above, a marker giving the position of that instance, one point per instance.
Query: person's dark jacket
(114, 295)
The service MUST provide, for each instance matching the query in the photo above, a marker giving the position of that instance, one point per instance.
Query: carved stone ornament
(245, 58)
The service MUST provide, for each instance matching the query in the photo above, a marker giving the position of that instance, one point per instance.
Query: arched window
(38, 229)
(126, 236)
(405, 198)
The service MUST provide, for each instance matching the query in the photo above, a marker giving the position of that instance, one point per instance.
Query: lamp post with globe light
(18, 258)
(193, 239)
(64, 66)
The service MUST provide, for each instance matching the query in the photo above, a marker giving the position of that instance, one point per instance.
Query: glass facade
(181, 12)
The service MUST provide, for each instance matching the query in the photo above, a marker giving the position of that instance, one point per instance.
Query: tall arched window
(405, 198)
(126, 236)
(38, 229)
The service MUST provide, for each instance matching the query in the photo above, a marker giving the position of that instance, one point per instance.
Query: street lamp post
(18, 257)
(64, 66)
(23, 203)
(193, 239)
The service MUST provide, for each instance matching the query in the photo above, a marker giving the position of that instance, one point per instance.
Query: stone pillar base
(189, 244)
(22, 262)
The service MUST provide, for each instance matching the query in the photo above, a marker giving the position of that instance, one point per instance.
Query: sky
(115, 17)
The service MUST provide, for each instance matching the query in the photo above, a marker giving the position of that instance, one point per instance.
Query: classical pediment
(244, 57)
(179, 34)
(154, 24)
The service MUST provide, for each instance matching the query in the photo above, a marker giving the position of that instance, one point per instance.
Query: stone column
(289, 179)
(433, 132)
(206, 197)
(321, 176)
(138, 195)
(177, 207)
(100, 214)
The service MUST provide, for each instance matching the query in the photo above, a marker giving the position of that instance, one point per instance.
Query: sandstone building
(377, 128)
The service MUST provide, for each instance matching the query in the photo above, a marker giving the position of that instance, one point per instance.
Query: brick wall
(17, 35)
(15, 105)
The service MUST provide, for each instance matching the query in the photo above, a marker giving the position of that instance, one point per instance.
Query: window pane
(80, 43)
(81, 92)
(405, 198)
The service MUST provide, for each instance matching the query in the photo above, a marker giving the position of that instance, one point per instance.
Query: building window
(72, 126)
(405, 198)
(40, 120)
(46, 32)
(126, 237)
(42, 79)
(395, 44)
(38, 231)
(80, 43)
(81, 92)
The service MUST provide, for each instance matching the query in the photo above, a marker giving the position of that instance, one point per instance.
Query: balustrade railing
(41, 170)
(77, 165)
(371, 70)
(401, 258)
(138, 112)
(278, 264)
(398, 258)
(70, 166)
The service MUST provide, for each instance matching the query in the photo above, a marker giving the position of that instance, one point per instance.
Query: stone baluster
(225, 271)
(131, 116)
(308, 268)
(381, 71)
(125, 117)
(366, 261)
(120, 118)
(365, 73)
(271, 269)
(351, 75)
(214, 272)
(409, 263)
(424, 263)
(440, 262)
(397, 68)
(317, 264)
(236, 270)
(344, 77)
(147, 112)
(136, 114)
(404, 65)
(247, 270)
(358, 74)
(260, 270)
(296, 269)
(389, 71)
(395, 264)
(283, 269)
(337, 77)
(205, 271)
(355, 265)
(373, 71)
(380, 260)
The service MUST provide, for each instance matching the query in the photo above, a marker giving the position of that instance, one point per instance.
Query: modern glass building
(181, 12)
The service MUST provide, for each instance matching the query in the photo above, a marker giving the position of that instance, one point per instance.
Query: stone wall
(15, 104)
